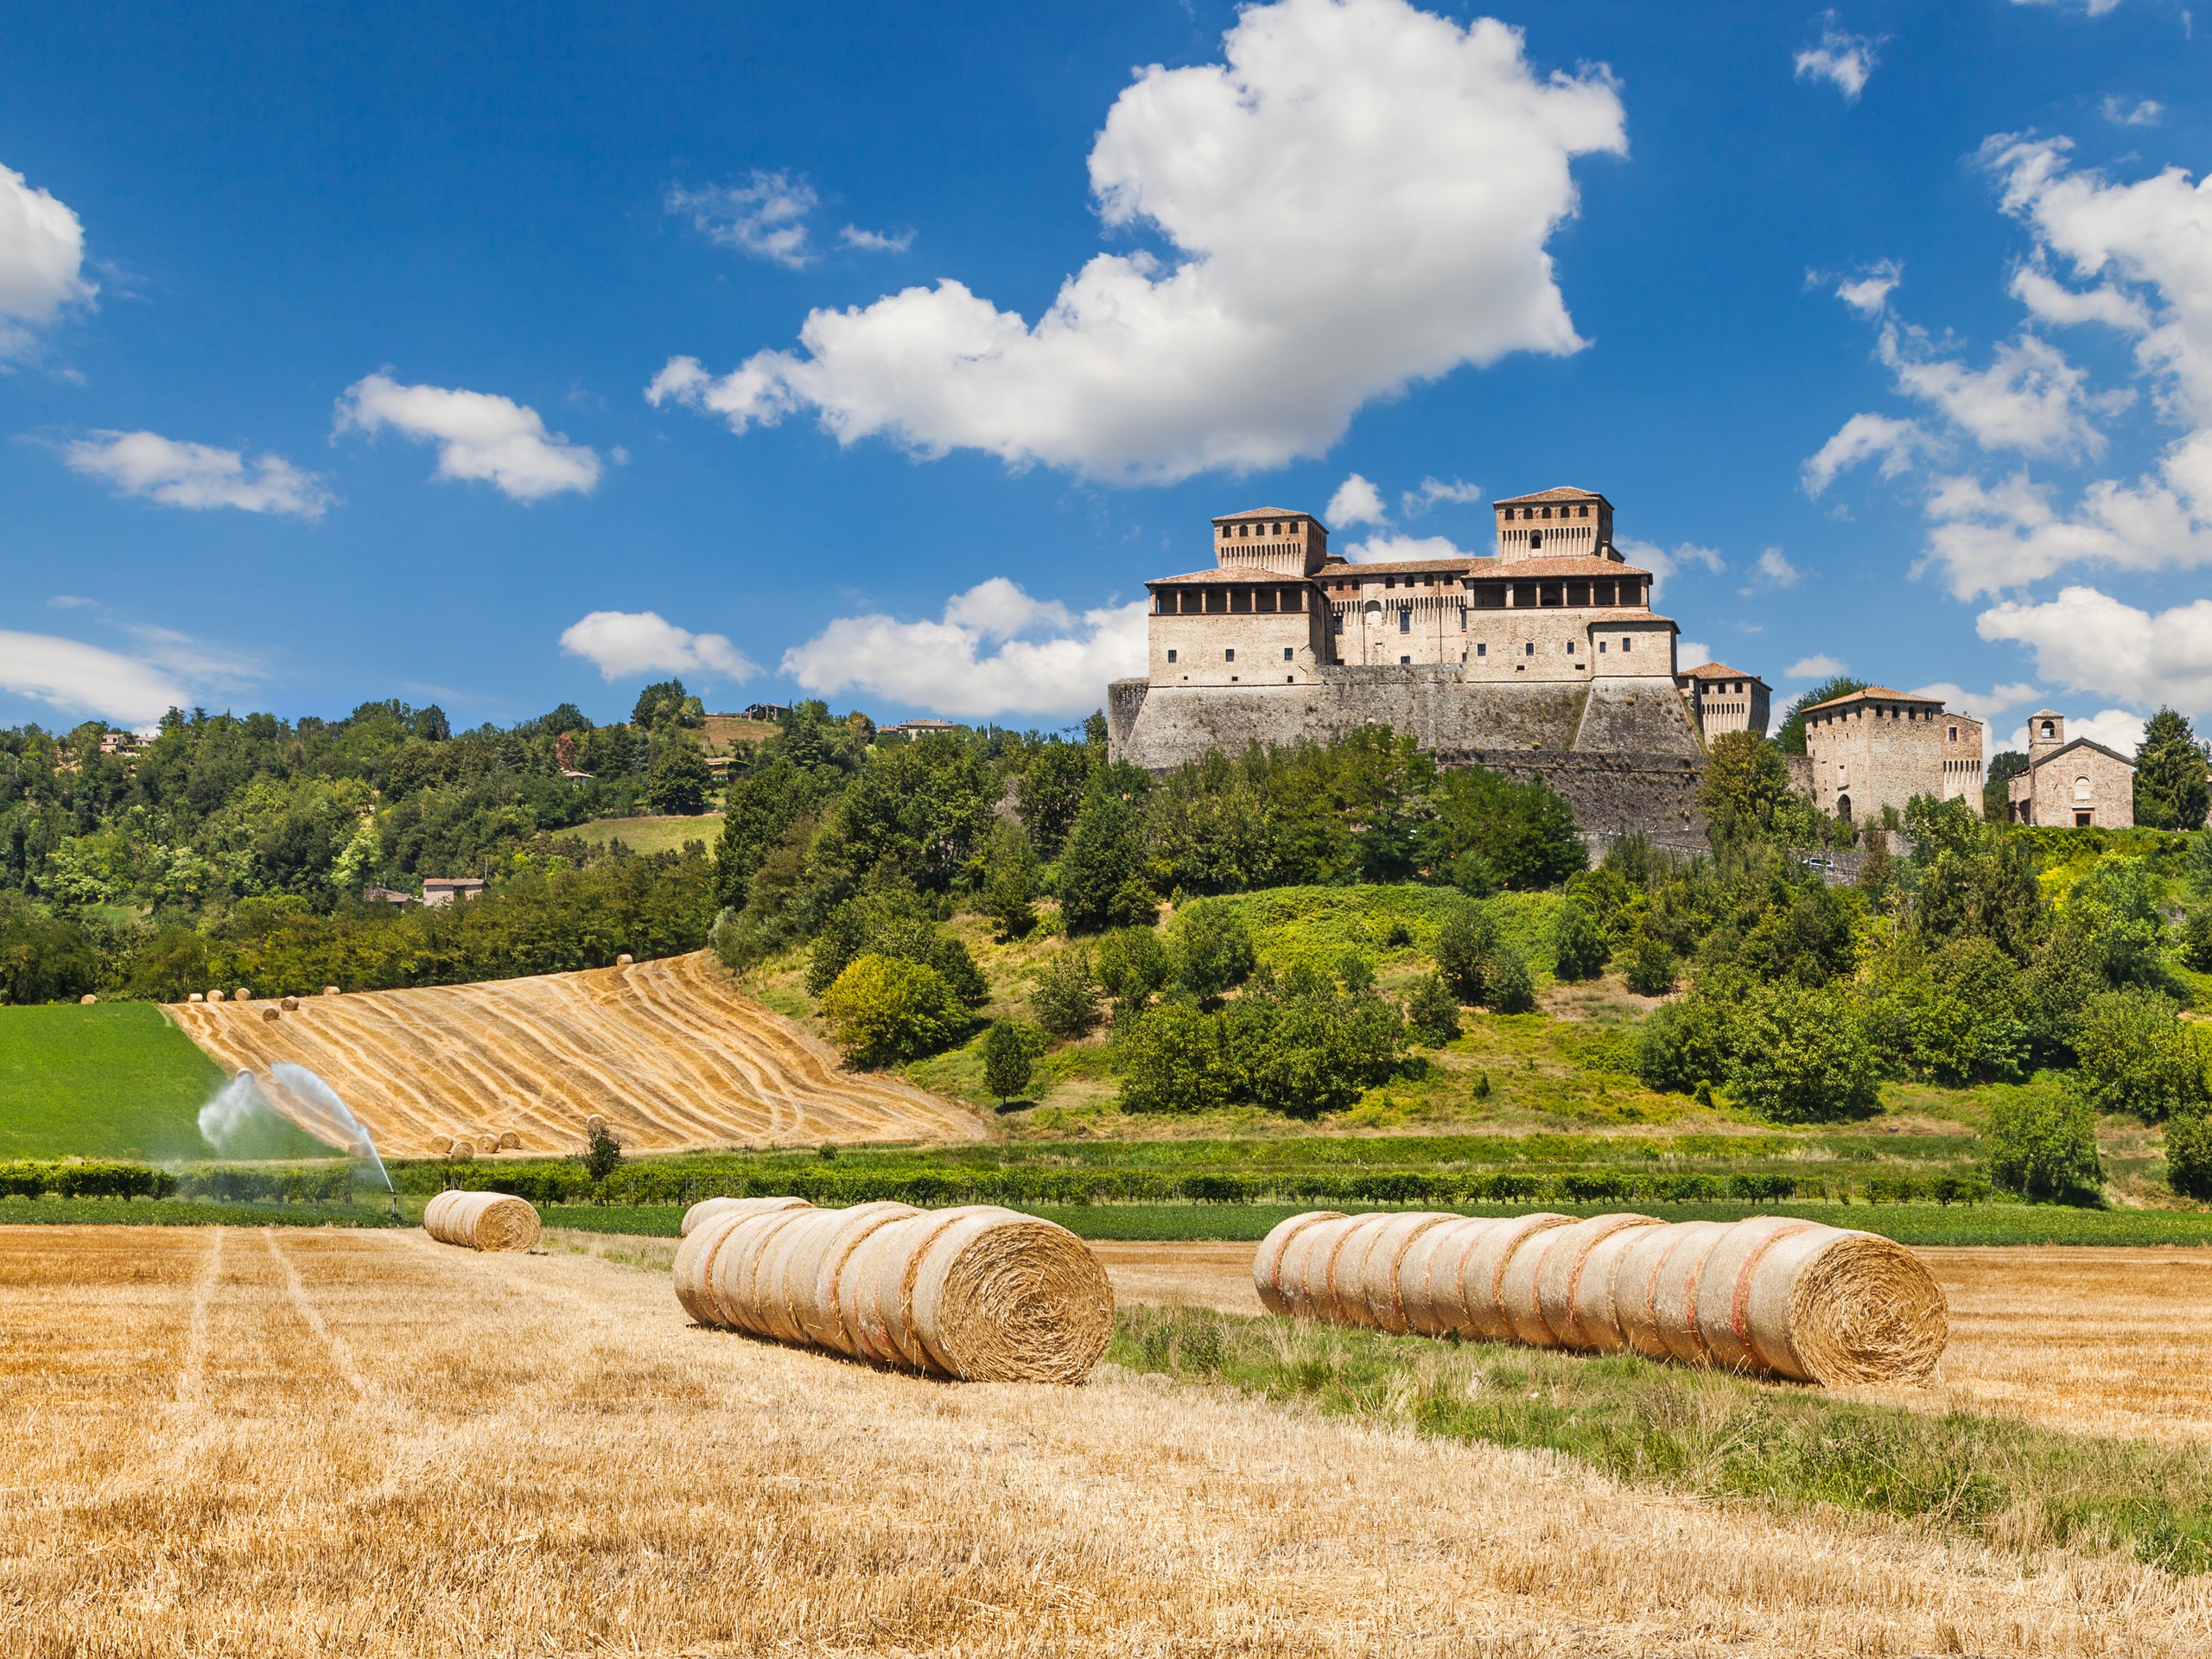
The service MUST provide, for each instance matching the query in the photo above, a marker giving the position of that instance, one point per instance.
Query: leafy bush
(2197, 936)
(892, 921)
(2189, 1154)
(885, 1009)
(1010, 1052)
(1523, 834)
(1464, 947)
(1210, 947)
(1681, 1046)
(1650, 968)
(1102, 868)
(2137, 1056)
(1578, 947)
(1507, 987)
(1432, 1012)
(2045, 1145)
(1798, 1056)
(1132, 965)
(603, 1154)
(1009, 893)
(1172, 1061)
(1066, 997)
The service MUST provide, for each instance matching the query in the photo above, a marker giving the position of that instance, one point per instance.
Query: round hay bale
(87, 999)
(1572, 1313)
(734, 1286)
(510, 1141)
(1304, 1273)
(1343, 1299)
(1482, 1273)
(487, 1143)
(197, 996)
(460, 1149)
(1008, 1298)
(289, 1004)
(625, 960)
(1428, 1279)
(330, 991)
(481, 1221)
(1384, 1307)
(1267, 1265)
(1833, 1306)
(1674, 1290)
(704, 1236)
(593, 1122)
(824, 1317)
(214, 997)
(242, 994)
(270, 1015)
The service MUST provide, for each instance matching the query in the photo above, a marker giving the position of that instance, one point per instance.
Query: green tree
(1790, 736)
(2044, 1146)
(1799, 1056)
(1578, 947)
(2135, 1055)
(1507, 986)
(679, 781)
(659, 705)
(1432, 1012)
(1049, 791)
(1132, 965)
(603, 1154)
(882, 1010)
(2189, 1155)
(1464, 945)
(1066, 995)
(1010, 1053)
(1650, 968)
(2197, 936)
(1519, 835)
(1996, 796)
(2171, 788)
(1172, 1061)
(1102, 881)
(1010, 880)
(1209, 948)
(1744, 789)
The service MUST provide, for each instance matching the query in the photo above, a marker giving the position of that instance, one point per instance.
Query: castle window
(1548, 513)
(1628, 645)
(1570, 647)
(1462, 618)
(1230, 655)
(1578, 592)
(1529, 650)
(1285, 653)
(1955, 734)
(1482, 651)
(1601, 647)
(1171, 653)
(1405, 619)
(1535, 539)
(1403, 661)
(1582, 511)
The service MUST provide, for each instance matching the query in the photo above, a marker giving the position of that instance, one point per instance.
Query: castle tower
(1564, 523)
(1270, 541)
(2046, 736)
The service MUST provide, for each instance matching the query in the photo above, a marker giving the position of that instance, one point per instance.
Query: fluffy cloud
(1844, 59)
(1356, 502)
(1869, 292)
(2094, 8)
(1770, 572)
(996, 651)
(1819, 666)
(479, 434)
(876, 241)
(196, 475)
(1381, 549)
(2116, 728)
(1985, 706)
(1663, 563)
(2143, 112)
(622, 643)
(1896, 443)
(84, 679)
(2030, 398)
(1693, 654)
(42, 262)
(2087, 640)
(766, 216)
(1436, 157)
(1433, 490)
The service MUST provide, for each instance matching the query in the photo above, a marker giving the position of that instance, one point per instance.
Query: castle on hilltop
(1542, 658)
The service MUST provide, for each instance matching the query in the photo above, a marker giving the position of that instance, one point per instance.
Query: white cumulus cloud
(1433, 490)
(995, 650)
(82, 679)
(1770, 572)
(2030, 398)
(1356, 502)
(2140, 112)
(1868, 291)
(1895, 443)
(479, 434)
(1663, 563)
(1819, 666)
(1381, 549)
(766, 216)
(623, 642)
(2086, 640)
(1435, 156)
(199, 475)
(876, 241)
(1693, 654)
(42, 262)
(1846, 59)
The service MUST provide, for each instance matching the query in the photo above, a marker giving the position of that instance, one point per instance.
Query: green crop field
(188, 1212)
(116, 1080)
(653, 835)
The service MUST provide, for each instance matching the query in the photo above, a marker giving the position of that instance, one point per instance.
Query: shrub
(1132, 965)
(1578, 947)
(2136, 1055)
(1507, 987)
(1798, 1056)
(1309, 1049)
(1010, 1052)
(1464, 945)
(603, 1154)
(1650, 967)
(1171, 1060)
(2045, 1145)
(2197, 938)
(1681, 1046)
(1432, 1012)
(1066, 997)
(1357, 972)
(1100, 878)
(2189, 1154)
(884, 1009)
(1010, 880)
(1210, 947)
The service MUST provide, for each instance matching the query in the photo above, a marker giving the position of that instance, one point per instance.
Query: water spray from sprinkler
(305, 1085)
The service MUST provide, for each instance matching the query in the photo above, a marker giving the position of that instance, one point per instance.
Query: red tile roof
(1266, 512)
(1717, 672)
(1241, 577)
(1540, 567)
(1883, 692)
(1560, 493)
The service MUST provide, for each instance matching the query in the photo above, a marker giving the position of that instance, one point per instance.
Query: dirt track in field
(669, 1052)
(279, 1443)
(2091, 1340)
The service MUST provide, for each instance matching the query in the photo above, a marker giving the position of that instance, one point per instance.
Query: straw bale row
(977, 1293)
(482, 1221)
(1772, 1294)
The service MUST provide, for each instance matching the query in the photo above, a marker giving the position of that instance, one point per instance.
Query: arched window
(2048, 729)
(1535, 539)
(2082, 788)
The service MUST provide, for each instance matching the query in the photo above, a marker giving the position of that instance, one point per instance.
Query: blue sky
(882, 353)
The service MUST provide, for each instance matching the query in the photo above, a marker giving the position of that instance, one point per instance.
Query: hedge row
(556, 1184)
(232, 1184)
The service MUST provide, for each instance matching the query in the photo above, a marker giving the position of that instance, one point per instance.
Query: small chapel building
(2074, 785)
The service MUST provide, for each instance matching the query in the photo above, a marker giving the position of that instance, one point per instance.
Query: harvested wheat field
(669, 1052)
(286, 1442)
(2090, 1340)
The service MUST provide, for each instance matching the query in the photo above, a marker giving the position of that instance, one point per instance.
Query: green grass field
(189, 1212)
(653, 835)
(116, 1080)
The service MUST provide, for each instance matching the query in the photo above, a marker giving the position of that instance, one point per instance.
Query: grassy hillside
(653, 835)
(115, 1080)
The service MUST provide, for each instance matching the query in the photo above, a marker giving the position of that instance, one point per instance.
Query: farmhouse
(2077, 783)
(1878, 748)
(444, 889)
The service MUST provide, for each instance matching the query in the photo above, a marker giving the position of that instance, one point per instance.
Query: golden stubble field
(264, 1443)
(670, 1052)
